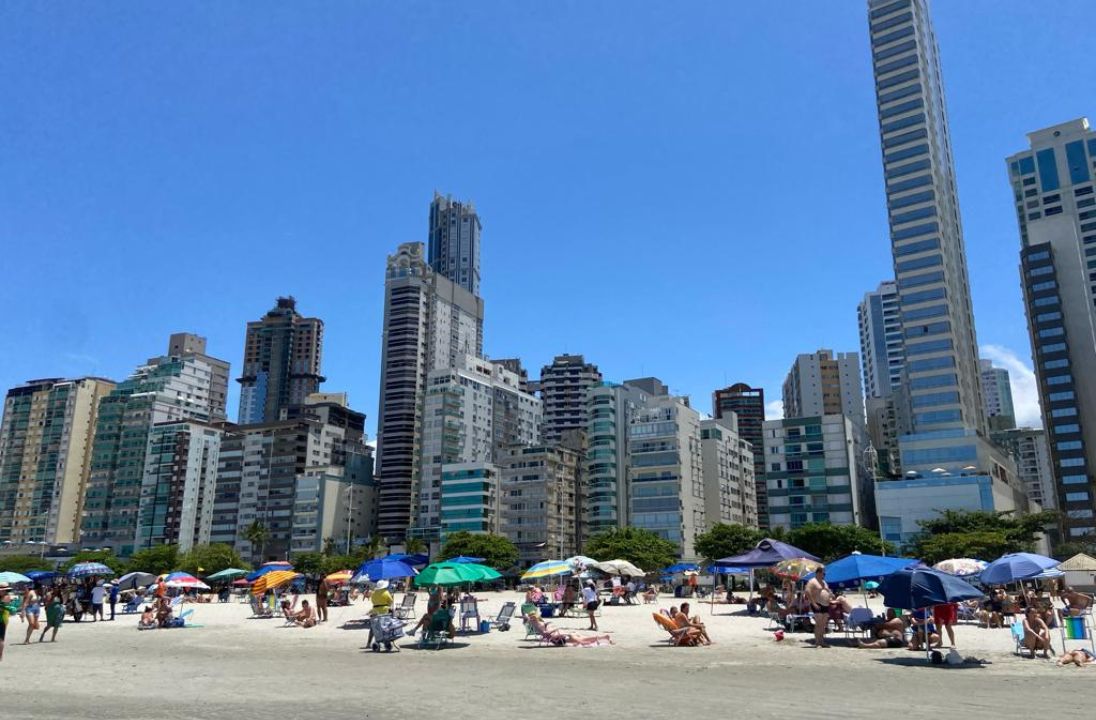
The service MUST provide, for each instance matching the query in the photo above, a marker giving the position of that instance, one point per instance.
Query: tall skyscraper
(455, 242)
(189, 344)
(429, 322)
(997, 389)
(824, 383)
(46, 443)
(1053, 189)
(281, 362)
(881, 354)
(748, 404)
(563, 387)
(930, 266)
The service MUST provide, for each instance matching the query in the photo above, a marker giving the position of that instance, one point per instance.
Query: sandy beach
(230, 664)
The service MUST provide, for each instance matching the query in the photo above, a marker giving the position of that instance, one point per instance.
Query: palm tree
(414, 545)
(257, 533)
(375, 546)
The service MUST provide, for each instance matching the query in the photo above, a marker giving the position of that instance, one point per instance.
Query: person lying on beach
(1079, 657)
(306, 616)
(559, 638)
(1036, 633)
(147, 620)
(684, 620)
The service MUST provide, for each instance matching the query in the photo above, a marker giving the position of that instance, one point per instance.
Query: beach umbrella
(13, 578)
(795, 568)
(579, 563)
(680, 568)
(442, 573)
(275, 566)
(384, 568)
(240, 583)
(272, 579)
(856, 568)
(183, 580)
(962, 567)
(485, 572)
(413, 559)
(465, 559)
(134, 580)
(1016, 566)
(89, 569)
(548, 568)
(227, 574)
(871, 585)
(41, 575)
(339, 577)
(918, 588)
(618, 567)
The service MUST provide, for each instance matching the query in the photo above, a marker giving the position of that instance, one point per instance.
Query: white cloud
(1025, 390)
(774, 410)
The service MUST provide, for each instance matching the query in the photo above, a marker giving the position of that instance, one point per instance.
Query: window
(1041, 270)
(943, 398)
(1072, 462)
(1045, 285)
(1059, 380)
(916, 280)
(1048, 169)
(938, 416)
(901, 93)
(1064, 395)
(933, 381)
(1044, 317)
(930, 364)
(1076, 496)
(907, 169)
(919, 263)
(1075, 479)
(1051, 332)
(904, 138)
(1053, 211)
(1027, 165)
(1078, 166)
(902, 185)
(928, 347)
(1044, 301)
(1052, 347)
(914, 231)
(1041, 255)
(1066, 429)
(906, 107)
(923, 296)
(935, 328)
(922, 313)
(1063, 412)
(1078, 192)
(898, 80)
(918, 214)
(1070, 445)
(916, 247)
(887, 10)
(896, 50)
(1055, 364)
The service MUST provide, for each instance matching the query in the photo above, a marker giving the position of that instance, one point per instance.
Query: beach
(229, 664)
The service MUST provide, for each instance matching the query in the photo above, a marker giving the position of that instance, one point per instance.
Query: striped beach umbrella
(273, 579)
(183, 580)
(89, 569)
(339, 577)
(796, 568)
(548, 568)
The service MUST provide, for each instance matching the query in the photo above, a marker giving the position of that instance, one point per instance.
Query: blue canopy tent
(765, 554)
(680, 567)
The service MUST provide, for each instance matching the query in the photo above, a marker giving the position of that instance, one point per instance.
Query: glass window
(1076, 496)
(1045, 301)
(917, 297)
(918, 263)
(924, 279)
(941, 398)
(922, 313)
(1059, 379)
(1048, 170)
(1063, 412)
(918, 214)
(914, 199)
(898, 80)
(906, 107)
(1052, 347)
(928, 347)
(1044, 317)
(1075, 479)
(1053, 211)
(1065, 430)
(916, 247)
(1078, 165)
(896, 50)
(1069, 445)
(1055, 364)
(938, 416)
(901, 185)
(933, 381)
(1027, 165)
(1071, 462)
(1064, 395)
(1041, 255)
(901, 92)
(1046, 285)
(935, 328)
(930, 364)
(887, 10)
(915, 231)
(1051, 332)
(907, 169)
(896, 140)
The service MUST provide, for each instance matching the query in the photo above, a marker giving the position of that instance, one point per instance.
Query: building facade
(1053, 189)
(46, 440)
(824, 383)
(429, 322)
(727, 462)
(282, 354)
(997, 389)
(455, 242)
(563, 388)
(540, 501)
(881, 354)
(1033, 464)
(334, 503)
(813, 471)
(611, 409)
(748, 406)
(470, 498)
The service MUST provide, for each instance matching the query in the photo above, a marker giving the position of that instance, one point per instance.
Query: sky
(692, 191)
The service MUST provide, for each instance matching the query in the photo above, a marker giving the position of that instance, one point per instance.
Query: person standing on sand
(590, 600)
(8, 605)
(321, 601)
(29, 612)
(55, 615)
(97, 594)
(113, 597)
(818, 593)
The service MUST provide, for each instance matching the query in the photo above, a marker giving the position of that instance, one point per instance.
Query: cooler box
(485, 626)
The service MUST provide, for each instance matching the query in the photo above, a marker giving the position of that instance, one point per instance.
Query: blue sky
(691, 191)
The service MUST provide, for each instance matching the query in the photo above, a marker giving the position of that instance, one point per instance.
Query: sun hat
(382, 585)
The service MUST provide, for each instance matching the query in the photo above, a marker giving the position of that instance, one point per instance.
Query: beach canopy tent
(1078, 563)
(852, 570)
(680, 568)
(1016, 566)
(134, 580)
(385, 568)
(766, 553)
(227, 574)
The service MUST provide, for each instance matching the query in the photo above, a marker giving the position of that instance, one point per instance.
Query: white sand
(231, 663)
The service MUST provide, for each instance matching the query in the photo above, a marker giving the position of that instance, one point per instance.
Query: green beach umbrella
(486, 573)
(447, 574)
(228, 574)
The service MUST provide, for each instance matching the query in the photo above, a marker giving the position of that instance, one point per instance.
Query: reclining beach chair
(469, 610)
(132, 605)
(544, 635)
(858, 622)
(1017, 630)
(502, 622)
(406, 609)
(437, 630)
(529, 611)
(680, 637)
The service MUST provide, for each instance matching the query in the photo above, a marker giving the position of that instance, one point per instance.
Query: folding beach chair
(529, 611)
(1017, 630)
(469, 610)
(437, 631)
(406, 609)
(680, 637)
(502, 622)
(858, 622)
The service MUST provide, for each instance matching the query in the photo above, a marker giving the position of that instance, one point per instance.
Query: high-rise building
(563, 387)
(880, 340)
(729, 490)
(281, 362)
(1033, 465)
(455, 242)
(514, 365)
(180, 476)
(997, 390)
(814, 471)
(748, 405)
(611, 409)
(473, 413)
(540, 501)
(930, 266)
(1053, 188)
(429, 322)
(189, 344)
(822, 383)
(46, 440)
(164, 389)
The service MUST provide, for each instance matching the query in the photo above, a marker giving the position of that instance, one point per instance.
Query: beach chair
(406, 609)
(679, 637)
(1017, 630)
(529, 611)
(437, 630)
(858, 622)
(544, 635)
(502, 622)
(469, 610)
(132, 605)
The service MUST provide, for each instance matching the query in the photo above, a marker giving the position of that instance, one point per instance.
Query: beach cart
(386, 630)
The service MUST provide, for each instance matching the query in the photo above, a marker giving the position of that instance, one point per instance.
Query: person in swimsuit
(31, 608)
(693, 621)
(1079, 657)
(819, 596)
(55, 615)
(7, 607)
(305, 617)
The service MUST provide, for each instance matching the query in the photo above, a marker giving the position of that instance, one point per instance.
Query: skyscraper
(748, 404)
(189, 344)
(281, 362)
(563, 387)
(998, 395)
(46, 441)
(1053, 190)
(880, 340)
(825, 383)
(429, 322)
(455, 242)
(930, 267)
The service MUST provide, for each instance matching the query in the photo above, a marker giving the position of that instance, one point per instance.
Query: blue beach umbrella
(383, 569)
(854, 569)
(41, 575)
(918, 588)
(1016, 566)
(88, 569)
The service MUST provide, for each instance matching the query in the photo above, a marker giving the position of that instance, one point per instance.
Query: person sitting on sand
(1078, 657)
(683, 620)
(922, 625)
(306, 616)
(1036, 633)
(147, 620)
(534, 595)
(1076, 603)
(163, 612)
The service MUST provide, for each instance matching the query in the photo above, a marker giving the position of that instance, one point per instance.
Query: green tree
(23, 563)
(643, 548)
(334, 563)
(724, 540)
(980, 534)
(497, 551)
(830, 542)
(106, 557)
(414, 545)
(309, 563)
(208, 559)
(374, 548)
(329, 547)
(257, 533)
(157, 559)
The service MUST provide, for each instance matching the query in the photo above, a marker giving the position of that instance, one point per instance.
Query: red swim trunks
(945, 614)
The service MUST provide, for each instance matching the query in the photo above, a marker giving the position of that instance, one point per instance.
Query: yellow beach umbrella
(342, 576)
(273, 580)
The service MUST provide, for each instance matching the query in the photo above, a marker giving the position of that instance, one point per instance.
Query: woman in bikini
(32, 605)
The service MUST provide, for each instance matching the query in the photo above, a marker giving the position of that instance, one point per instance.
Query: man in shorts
(945, 616)
(819, 596)
(98, 593)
